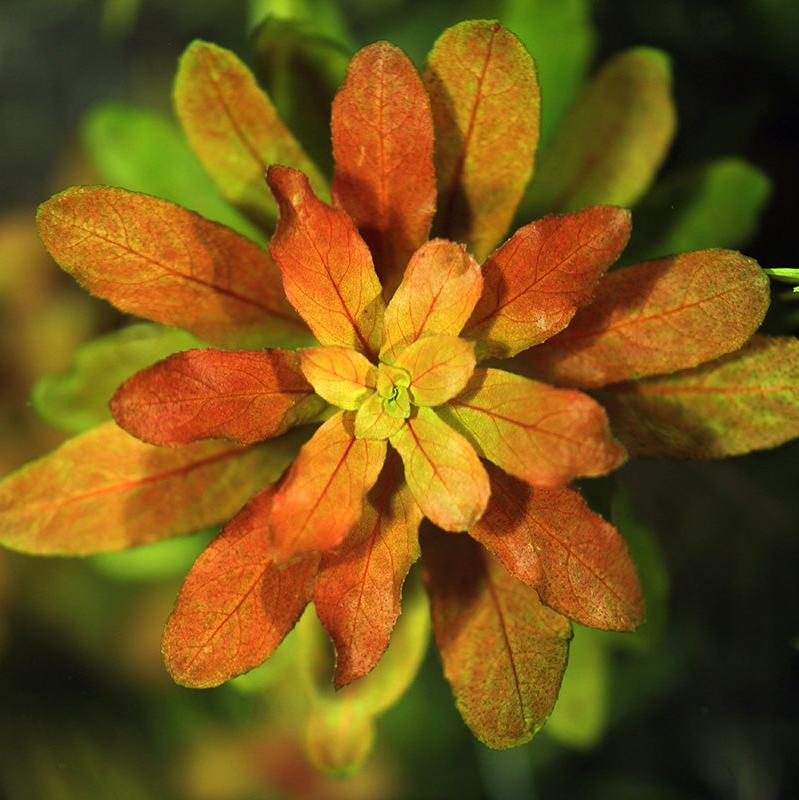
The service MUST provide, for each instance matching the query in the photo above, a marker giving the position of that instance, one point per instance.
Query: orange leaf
(234, 129)
(236, 604)
(748, 400)
(341, 376)
(373, 422)
(437, 295)
(439, 367)
(657, 317)
(442, 470)
(542, 435)
(552, 541)
(161, 262)
(486, 105)
(105, 490)
(327, 269)
(383, 148)
(321, 498)
(536, 281)
(359, 588)
(201, 394)
(504, 653)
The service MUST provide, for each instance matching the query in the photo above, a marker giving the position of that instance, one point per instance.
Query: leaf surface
(384, 179)
(373, 422)
(234, 129)
(236, 604)
(657, 317)
(504, 653)
(542, 435)
(359, 588)
(535, 282)
(747, 400)
(156, 260)
(442, 470)
(78, 399)
(550, 540)
(327, 270)
(241, 395)
(341, 376)
(321, 499)
(484, 94)
(440, 288)
(439, 366)
(105, 490)
(612, 141)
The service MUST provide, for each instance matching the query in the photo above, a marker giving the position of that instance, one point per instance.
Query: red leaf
(200, 394)
(657, 317)
(359, 588)
(552, 541)
(327, 269)
(383, 147)
(236, 604)
(321, 499)
(504, 653)
(161, 262)
(535, 282)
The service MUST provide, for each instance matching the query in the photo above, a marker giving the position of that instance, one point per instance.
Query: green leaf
(561, 39)
(784, 274)
(141, 150)
(301, 70)
(78, 400)
(715, 205)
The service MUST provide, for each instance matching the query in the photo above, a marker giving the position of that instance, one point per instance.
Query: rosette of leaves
(447, 377)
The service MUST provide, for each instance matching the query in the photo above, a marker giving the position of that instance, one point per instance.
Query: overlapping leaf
(158, 261)
(382, 130)
(358, 591)
(748, 400)
(442, 470)
(504, 653)
(373, 422)
(543, 435)
(439, 367)
(440, 288)
(236, 604)
(341, 376)
(201, 394)
(321, 498)
(234, 129)
(552, 541)
(484, 94)
(105, 490)
(535, 282)
(657, 317)
(612, 141)
(327, 270)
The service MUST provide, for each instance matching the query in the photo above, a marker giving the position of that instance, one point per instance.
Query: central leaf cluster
(392, 386)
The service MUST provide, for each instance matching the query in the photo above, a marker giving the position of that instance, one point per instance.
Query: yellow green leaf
(439, 368)
(339, 375)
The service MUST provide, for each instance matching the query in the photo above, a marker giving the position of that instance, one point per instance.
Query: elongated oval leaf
(657, 317)
(612, 141)
(105, 490)
(236, 604)
(372, 421)
(341, 376)
(543, 435)
(359, 588)
(535, 282)
(216, 394)
(504, 653)
(442, 470)
(437, 295)
(748, 400)
(328, 274)
(439, 366)
(486, 105)
(551, 540)
(78, 400)
(383, 148)
(158, 261)
(321, 498)
(234, 129)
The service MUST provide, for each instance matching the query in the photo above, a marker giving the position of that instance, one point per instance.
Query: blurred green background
(703, 702)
